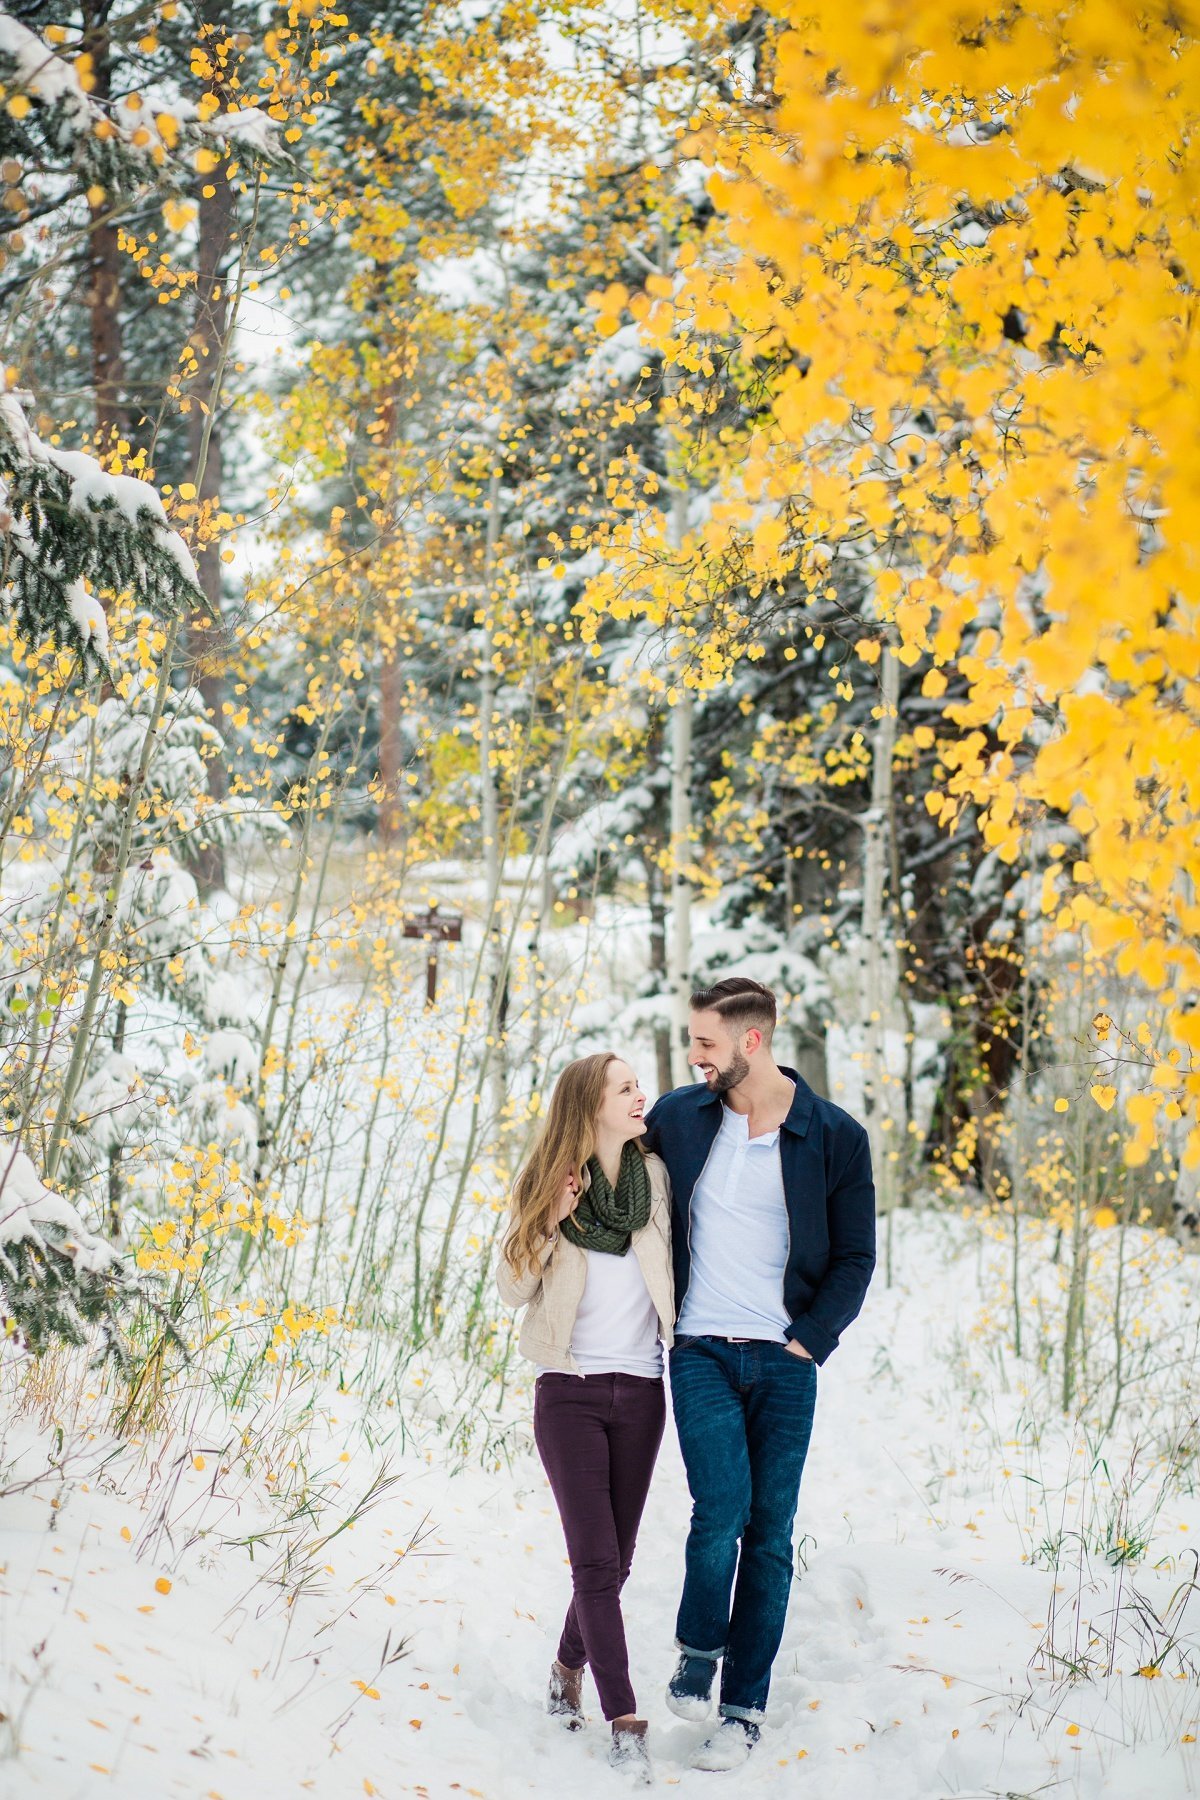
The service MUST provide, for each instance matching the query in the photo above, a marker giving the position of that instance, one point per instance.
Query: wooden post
(433, 928)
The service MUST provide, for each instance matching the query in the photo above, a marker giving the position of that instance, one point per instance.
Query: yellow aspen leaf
(178, 213)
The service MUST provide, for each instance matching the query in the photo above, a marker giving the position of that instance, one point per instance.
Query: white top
(616, 1327)
(739, 1238)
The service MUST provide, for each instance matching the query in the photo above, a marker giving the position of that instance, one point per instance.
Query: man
(774, 1245)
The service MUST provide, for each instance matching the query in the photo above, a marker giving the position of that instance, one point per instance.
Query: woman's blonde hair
(563, 1145)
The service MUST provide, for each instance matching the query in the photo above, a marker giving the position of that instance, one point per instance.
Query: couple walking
(735, 1224)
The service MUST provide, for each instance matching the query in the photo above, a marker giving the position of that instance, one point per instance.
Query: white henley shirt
(739, 1238)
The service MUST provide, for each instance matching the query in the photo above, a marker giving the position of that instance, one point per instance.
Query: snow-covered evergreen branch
(120, 143)
(68, 526)
(58, 1281)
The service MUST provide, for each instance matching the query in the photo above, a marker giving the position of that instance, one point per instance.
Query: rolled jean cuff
(712, 1656)
(753, 1715)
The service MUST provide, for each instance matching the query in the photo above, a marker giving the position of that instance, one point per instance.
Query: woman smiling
(588, 1254)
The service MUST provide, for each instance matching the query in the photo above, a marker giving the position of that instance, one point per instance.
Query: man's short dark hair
(746, 1005)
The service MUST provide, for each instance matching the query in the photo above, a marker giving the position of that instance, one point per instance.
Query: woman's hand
(569, 1200)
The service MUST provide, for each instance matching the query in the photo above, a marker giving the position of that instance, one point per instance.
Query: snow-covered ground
(177, 1623)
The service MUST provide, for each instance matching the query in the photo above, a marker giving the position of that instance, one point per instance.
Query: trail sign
(433, 928)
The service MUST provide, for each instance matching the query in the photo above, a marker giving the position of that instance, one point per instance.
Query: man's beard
(728, 1078)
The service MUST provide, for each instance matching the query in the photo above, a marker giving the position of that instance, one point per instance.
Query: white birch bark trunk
(680, 948)
(877, 828)
(489, 806)
(679, 959)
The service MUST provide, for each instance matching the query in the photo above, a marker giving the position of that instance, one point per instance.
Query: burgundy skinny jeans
(598, 1439)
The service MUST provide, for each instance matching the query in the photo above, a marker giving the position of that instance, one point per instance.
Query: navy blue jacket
(830, 1203)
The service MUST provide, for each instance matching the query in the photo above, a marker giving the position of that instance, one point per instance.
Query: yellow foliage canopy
(967, 245)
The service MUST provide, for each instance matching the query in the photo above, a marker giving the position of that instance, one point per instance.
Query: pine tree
(59, 1283)
(71, 529)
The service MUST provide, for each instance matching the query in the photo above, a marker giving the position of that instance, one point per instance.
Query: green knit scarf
(606, 1218)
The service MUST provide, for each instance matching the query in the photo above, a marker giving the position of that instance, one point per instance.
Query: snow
(52, 79)
(113, 1101)
(93, 488)
(245, 125)
(231, 1055)
(213, 1113)
(604, 826)
(226, 1001)
(176, 1622)
(26, 1205)
(248, 126)
(619, 358)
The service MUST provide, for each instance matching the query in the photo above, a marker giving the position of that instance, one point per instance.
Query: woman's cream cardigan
(551, 1293)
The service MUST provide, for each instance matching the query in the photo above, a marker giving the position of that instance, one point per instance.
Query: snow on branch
(119, 142)
(67, 525)
(31, 1213)
(59, 1282)
(45, 76)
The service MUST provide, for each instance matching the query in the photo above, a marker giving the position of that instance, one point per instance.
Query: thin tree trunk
(208, 642)
(391, 810)
(679, 737)
(906, 1142)
(115, 1183)
(489, 813)
(877, 828)
(680, 968)
(110, 918)
(656, 902)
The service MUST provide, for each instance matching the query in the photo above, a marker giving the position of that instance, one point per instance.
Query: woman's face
(623, 1104)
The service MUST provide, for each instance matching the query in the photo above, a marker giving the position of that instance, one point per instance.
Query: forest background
(610, 496)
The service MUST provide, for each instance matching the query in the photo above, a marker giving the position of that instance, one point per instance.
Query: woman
(588, 1254)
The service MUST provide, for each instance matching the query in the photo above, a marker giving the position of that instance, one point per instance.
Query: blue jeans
(744, 1415)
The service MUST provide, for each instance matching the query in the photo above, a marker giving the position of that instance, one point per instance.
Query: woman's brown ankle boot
(628, 1751)
(564, 1696)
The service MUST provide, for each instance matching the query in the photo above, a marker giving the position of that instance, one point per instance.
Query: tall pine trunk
(104, 262)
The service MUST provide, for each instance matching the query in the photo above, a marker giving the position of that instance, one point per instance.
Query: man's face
(719, 1055)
